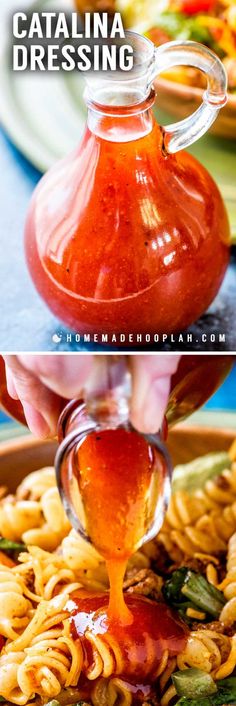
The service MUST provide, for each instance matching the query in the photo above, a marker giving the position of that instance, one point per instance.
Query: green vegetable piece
(173, 586)
(225, 695)
(8, 546)
(184, 701)
(187, 584)
(193, 683)
(226, 692)
(179, 26)
(203, 594)
(196, 473)
(171, 22)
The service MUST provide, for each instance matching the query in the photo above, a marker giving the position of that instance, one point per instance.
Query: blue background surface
(225, 397)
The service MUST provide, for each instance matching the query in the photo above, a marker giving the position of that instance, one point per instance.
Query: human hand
(43, 383)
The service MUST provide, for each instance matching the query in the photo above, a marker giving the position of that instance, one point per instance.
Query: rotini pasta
(14, 606)
(90, 566)
(228, 585)
(49, 658)
(41, 660)
(35, 515)
(203, 521)
(35, 484)
(10, 690)
(18, 517)
(45, 574)
(207, 650)
(79, 554)
(112, 692)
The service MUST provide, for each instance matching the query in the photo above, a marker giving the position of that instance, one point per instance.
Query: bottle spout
(124, 88)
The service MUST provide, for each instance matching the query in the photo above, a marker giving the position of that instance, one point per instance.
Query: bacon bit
(215, 625)
(146, 583)
(4, 559)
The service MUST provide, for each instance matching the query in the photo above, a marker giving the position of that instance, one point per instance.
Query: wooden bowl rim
(17, 443)
(190, 91)
(30, 442)
(202, 430)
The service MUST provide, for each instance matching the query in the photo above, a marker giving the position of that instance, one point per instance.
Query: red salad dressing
(123, 238)
(154, 629)
(119, 480)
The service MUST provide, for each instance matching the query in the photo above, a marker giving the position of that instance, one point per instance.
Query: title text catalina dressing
(90, 45)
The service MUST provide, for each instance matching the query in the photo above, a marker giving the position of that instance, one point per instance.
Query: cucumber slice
(196, 473)
(193, 683)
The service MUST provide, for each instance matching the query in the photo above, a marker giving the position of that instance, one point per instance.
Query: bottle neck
(106, 397)
(121, 123)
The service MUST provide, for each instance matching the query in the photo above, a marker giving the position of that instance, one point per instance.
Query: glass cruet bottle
(103, 484)
(129, 233)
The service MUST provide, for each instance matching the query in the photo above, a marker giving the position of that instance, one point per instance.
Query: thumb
(150, 390)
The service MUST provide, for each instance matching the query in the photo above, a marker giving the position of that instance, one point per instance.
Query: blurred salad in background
(210, 22)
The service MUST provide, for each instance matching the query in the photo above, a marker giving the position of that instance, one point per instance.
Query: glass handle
(183, 133)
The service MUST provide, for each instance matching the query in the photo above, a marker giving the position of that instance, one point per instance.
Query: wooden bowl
(180, 100)
(21, 456)
(83, 6)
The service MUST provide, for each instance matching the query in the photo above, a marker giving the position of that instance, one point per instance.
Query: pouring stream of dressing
(120, 477)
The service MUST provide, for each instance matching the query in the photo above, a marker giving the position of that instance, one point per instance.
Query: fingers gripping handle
(181, 134)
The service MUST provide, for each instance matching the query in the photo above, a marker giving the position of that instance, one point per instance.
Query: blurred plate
(44, 115)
